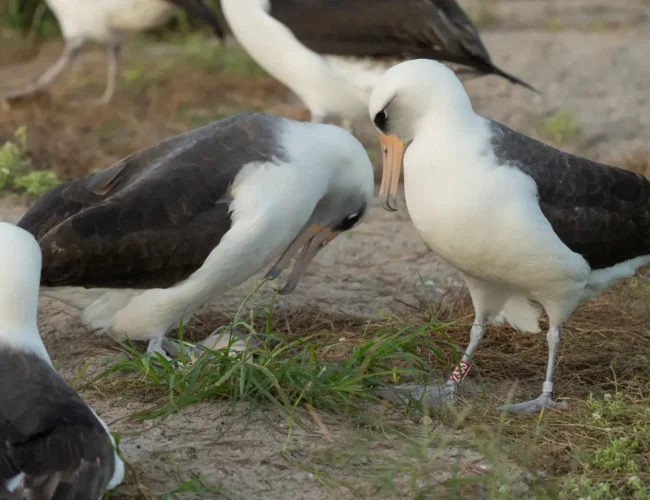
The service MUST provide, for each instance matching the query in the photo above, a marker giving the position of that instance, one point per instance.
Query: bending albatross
(523, 222)
(108, 22)
(331, 53)
(144, 243)
(52, 445)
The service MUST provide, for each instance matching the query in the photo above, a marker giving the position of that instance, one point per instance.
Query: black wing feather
(48, 433)
(153, 218)
(432, 29)
(598, 211)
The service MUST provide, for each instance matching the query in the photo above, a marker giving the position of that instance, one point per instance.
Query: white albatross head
(408, 97)
(345, 201)
(20, 277)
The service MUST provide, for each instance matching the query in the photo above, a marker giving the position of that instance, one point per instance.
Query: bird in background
(52, 444)
(108, 22)
(331, 53)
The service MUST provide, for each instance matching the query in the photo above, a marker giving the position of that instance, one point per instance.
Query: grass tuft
(284, 370)
(562, 128)
(15, 165)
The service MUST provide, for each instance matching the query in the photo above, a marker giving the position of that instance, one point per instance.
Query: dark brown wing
(49, 434)
(197, 8)
(152, 219)
(600, 212)
(431, 29)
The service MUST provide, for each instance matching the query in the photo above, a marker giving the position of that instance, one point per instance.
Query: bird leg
(234, 342)
(70, 52)
(113, 59)
(545, 400)
(317, 118)
(156, 347)
(348, 125)
(440, 395)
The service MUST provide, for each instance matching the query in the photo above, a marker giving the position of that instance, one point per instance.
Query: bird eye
(380, 120)
(349, 222)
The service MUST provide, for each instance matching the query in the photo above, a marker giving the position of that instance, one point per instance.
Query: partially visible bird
(525, 223)
(52, 444)
(331, 53)
(141, 245)
(108, 22)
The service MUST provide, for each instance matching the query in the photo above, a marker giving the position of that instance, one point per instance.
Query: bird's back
(53, 445)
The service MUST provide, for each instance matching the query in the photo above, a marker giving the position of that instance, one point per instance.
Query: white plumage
(496, 206)
(255, 186)
(332, 53)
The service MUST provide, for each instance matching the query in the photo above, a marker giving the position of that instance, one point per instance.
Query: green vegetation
(618, 465)
(562, 128)
(484, 16)
(284, 371)
(15, 165)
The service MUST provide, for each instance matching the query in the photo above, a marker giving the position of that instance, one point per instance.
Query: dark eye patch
(380, 120)
(349, 222)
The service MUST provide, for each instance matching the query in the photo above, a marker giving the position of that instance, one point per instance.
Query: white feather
(271, 204)
(479, 214)
(103, 20)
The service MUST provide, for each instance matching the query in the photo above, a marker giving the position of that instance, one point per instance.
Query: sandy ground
(589, 57)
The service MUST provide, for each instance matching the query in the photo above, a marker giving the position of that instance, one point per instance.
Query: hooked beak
(392, 153)
(309, 242)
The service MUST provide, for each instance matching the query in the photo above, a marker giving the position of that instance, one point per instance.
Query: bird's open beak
(309, 242)
(392, 154)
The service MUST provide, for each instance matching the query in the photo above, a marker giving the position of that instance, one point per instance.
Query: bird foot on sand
(431, 396)
(535, 406)
(156, 347)
(235, 342)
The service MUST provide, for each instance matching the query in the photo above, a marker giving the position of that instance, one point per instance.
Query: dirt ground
(589, 58)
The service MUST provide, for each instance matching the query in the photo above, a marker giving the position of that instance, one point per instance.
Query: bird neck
(456, 138)
(18, 326)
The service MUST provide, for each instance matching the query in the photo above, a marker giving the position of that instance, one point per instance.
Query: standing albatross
(331, 53)
(108, 22)
(523, 222)
(142, 244)
(52, 445)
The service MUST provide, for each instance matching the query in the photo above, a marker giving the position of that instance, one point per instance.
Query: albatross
(108, 22)
(52, 444)
(527, 225)
(331, 53)
(144, 243)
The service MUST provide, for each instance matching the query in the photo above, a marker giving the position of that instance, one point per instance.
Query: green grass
(16, 174)
(284, 371)
(484, 16)
(618, 465)
(562, 128)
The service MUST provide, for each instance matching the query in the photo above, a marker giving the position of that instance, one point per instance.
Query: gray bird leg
(235, 342)
(156, 347)
(545, 400)
(70, 52)
(440, 395)
(113, 60)
(317, 118)
(348, 125)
